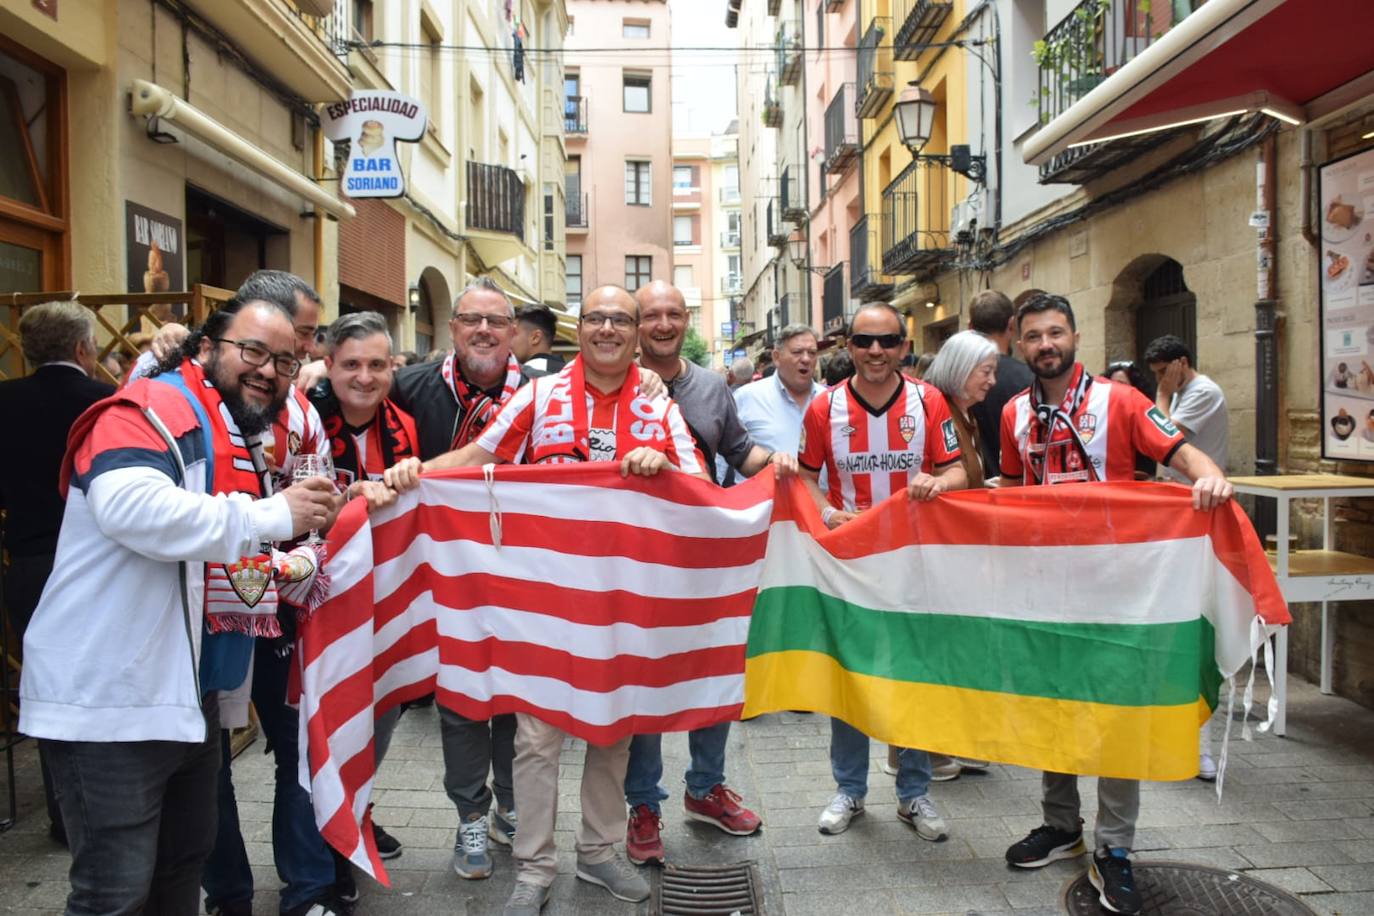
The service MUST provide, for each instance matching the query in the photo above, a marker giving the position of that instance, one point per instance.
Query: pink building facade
(834, 188)
(618, 126)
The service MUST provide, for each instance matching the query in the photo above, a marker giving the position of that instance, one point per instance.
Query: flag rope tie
(494, 516)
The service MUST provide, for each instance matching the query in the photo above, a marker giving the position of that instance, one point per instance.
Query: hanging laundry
(519, 61)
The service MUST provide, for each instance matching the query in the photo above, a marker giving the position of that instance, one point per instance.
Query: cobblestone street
(1298, 813)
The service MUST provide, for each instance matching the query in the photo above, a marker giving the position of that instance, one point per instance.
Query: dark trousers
(303, 859)
(474, 749)
(140, 819)
(24, 581)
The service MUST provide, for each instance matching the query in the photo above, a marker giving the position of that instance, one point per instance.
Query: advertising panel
(1347, 307)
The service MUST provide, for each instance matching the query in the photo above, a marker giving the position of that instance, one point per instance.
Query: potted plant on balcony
(772, 113)
(1073, 51)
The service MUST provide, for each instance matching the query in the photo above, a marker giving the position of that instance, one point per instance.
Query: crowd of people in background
(190, 491)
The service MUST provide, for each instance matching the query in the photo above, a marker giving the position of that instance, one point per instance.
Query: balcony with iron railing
(575, 115)
(832, 300)
(495, 199)
(875, 69)
(867, 282)
(841, 131)
(792, 194)
(917, 22)
(731, 284)
(1082, 50)
(789, 51)
(729, 240)
(311, 37)
(777, 230)
(578, 210)
(915, 232)
(772, 106)
(729, 195)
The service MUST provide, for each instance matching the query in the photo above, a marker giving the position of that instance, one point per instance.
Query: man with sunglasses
(877, 434)
(1069, 427)
(580, 414)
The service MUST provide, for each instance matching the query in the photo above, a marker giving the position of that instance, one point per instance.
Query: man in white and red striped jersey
(878, 433)
(591, 410)
(1069, 427)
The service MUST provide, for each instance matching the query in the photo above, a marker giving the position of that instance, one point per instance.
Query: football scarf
(241, 597)
(475, 406)
(567, 426)
(390, 437)
(1055, 452)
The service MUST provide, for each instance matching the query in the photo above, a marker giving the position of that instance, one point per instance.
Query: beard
(252, 419)
(1066, 361)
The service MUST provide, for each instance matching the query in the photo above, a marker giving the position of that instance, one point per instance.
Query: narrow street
(1298, 813)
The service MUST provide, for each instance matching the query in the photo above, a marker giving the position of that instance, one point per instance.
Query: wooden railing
(117, 317)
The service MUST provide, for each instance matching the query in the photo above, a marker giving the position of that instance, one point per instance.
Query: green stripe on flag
(1117, 664)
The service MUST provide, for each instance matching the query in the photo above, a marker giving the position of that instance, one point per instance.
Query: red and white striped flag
(611, 607)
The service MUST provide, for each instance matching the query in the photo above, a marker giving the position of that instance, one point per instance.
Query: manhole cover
(1178, 889)
(707, 890)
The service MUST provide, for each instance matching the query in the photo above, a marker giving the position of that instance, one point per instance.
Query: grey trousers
(472, 749)
(382, 730)
(1118, 806)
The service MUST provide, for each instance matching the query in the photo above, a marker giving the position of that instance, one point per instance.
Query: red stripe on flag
(581, 606)
(687, 720)
(590, 674)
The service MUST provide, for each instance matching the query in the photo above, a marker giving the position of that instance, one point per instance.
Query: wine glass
(310, 465)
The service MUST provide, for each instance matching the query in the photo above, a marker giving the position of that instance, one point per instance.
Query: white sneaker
(837, 815)
(920, 813)
(890, 765)
(1206, 768)
(943, 768)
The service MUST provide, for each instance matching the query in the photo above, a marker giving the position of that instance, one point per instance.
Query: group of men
(180, 495)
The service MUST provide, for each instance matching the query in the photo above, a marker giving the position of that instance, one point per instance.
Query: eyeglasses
(495, 322)
(886, 341)
(255, 354)
(619, 320)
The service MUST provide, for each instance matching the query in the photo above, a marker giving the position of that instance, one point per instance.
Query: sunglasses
(886, 341)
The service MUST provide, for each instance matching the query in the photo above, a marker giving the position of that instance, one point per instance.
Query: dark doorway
(225, 244)
(1167, 307)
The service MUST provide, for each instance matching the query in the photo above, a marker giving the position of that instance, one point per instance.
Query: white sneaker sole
(1071, 851)
(1095, 879)
(923, 832)
(592, 879)
(837, 829)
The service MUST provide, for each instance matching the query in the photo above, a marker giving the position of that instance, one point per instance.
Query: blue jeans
(849, 764)
(140, 818)
(303, 859)
(707, 746)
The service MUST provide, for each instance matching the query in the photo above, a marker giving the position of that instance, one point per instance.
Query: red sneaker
(642, 841)
(724, 808)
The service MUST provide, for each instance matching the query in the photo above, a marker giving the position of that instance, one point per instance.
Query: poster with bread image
(372, 122)
(1345, 279)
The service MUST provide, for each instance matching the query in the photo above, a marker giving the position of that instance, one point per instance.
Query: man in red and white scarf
(165, 571)
(592, 410)
(1069, 427)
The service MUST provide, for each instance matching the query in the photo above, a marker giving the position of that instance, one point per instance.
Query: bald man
(709, 410)
(533, 427)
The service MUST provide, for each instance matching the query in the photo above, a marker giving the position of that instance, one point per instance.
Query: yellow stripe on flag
(1128, 742)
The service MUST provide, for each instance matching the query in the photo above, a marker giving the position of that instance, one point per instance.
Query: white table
(1326, 575)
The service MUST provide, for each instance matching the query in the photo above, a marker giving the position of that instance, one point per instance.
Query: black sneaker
(345, 887)
(388, 847)
(1110, 872)
(241, 908)
(1044, 845)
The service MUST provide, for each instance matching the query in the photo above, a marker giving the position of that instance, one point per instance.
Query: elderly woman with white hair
(965, 370)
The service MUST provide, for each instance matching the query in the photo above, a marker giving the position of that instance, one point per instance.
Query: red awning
(1299, 60)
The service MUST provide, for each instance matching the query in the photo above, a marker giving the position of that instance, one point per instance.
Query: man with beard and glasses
(1070, 427)
(706, 405)
(165, 572)
(878, 434)
(580, 414)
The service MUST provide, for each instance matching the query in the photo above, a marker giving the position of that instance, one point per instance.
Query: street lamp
(915, 110)
(797, 254)
(915, 116)
(413, 298)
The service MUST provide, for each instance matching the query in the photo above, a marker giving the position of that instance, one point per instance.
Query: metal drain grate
(1179, 889)
(707, 890)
